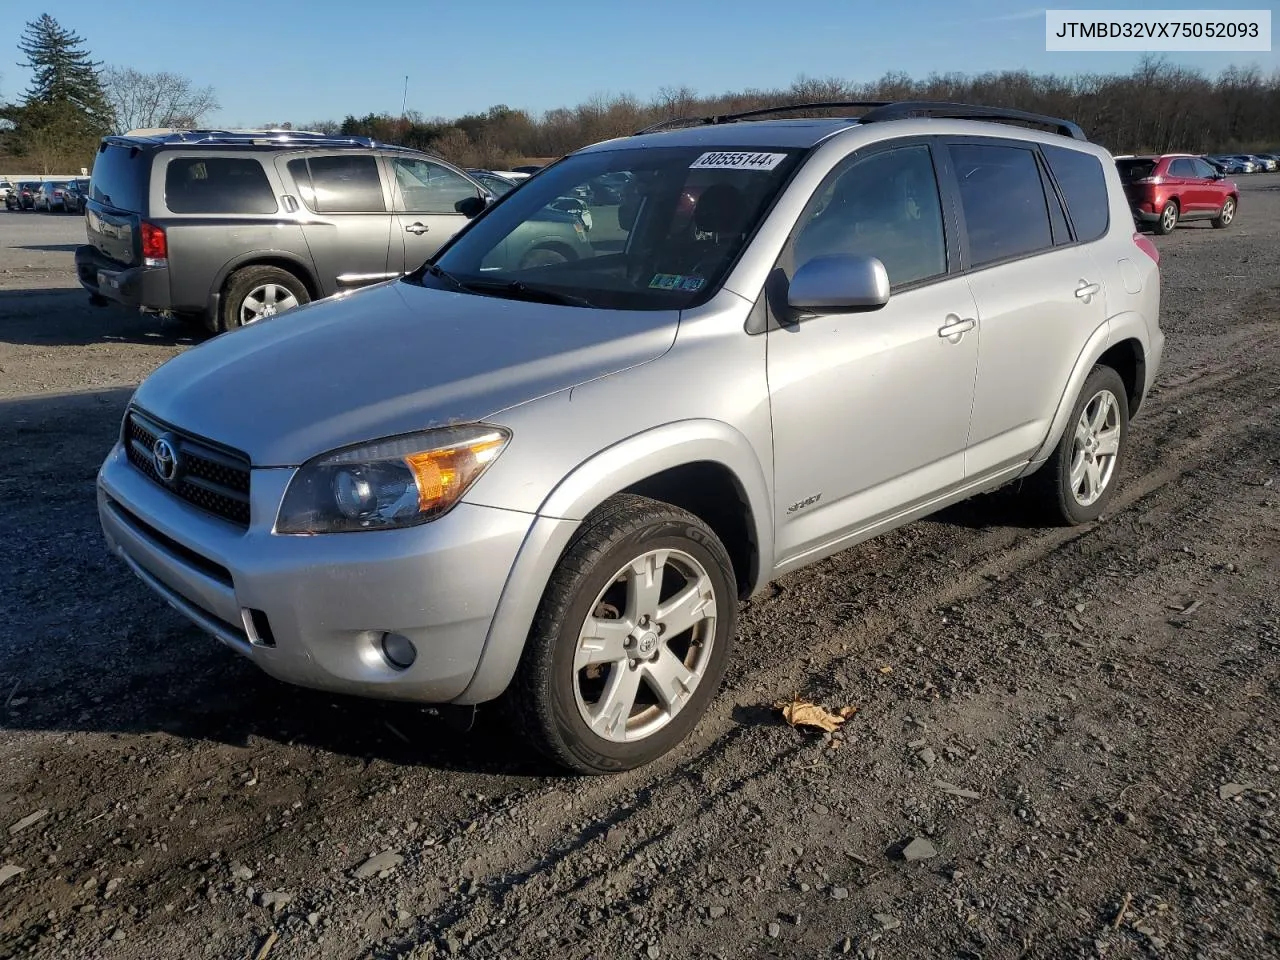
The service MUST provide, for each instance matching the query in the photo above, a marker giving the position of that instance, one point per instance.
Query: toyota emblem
(165, 459)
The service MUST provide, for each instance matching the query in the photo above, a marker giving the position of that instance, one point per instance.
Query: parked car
(6, 188)
(1167, 190)
(49, 196)
(24, 196)
(495, 183)
(76, 195)
(1231, 166)
(553, 482)
(1250, 164)
(233, 227)
(1268, 162)
(528, 169)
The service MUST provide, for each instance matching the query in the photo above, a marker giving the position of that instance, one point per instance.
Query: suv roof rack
(243, 138)
(878, 111)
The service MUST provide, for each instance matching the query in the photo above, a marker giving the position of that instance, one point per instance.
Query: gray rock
(241, 872)
(118, 934)
(846, 945)
(840, 893)
(9, 871)
(774, 930)
(1227, 791)
(275, 900)
(653, 952)
(886, 921)
(313, 919)
(385, 861)
(919, 848)
(716, 912)
(927, 756)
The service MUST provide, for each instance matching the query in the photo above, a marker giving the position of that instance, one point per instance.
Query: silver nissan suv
(552, 483)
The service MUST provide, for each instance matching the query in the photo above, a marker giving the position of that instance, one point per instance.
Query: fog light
(399, 650)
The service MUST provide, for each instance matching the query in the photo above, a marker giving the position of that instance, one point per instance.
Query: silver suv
(552, 483)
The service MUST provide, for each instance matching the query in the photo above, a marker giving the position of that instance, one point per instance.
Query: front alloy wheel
(630, 640)
(1227, 214)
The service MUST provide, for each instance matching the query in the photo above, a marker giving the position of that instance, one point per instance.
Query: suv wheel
(258, 292)
(630, 641)
(1228, 213)
(1168, 219)
(1077, 482)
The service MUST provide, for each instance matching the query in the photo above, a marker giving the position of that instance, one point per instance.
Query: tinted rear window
(1005, 211)
(217, 185)
(119, 177)
(1131, 170)
(1084, 187)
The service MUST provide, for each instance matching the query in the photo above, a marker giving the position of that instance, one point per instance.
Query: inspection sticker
(737, 161)
(674, 281)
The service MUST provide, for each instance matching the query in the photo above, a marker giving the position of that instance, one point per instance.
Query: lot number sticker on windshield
(737, 161)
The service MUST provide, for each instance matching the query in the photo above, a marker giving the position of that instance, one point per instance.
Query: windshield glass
(630, 229)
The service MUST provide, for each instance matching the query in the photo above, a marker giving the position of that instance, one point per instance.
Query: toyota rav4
(553, 482)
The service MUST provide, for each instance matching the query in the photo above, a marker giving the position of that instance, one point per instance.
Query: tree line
(73, 101)
(1157, 107)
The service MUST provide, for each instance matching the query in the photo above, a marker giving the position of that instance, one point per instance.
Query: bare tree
(140, 100)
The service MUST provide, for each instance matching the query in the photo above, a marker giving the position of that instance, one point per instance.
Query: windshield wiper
(438, 271)
(519, 290)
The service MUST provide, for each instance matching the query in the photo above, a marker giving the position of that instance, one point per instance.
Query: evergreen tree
(63, 73)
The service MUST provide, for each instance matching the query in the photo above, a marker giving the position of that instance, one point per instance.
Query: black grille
(216, 481)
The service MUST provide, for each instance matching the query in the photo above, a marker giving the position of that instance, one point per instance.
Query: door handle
(1086, 291)
(955, 328)
(418, 228)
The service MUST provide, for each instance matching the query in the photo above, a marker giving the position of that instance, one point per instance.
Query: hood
(389, 359)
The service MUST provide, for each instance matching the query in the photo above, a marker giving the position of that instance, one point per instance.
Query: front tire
(630, 641)
(1079, 479)
(255, 293)
(1228, 213)
(1168, 219)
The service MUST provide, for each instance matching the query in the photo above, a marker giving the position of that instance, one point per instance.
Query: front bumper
(139, 288)
(312, 610)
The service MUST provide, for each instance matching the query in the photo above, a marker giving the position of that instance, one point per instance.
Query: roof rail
(904, 109)
(245, 138)
(881, 110)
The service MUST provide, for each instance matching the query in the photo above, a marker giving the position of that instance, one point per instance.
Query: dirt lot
(1104, 698)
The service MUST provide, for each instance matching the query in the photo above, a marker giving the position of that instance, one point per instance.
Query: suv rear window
(1005, 211)
(119, 177)
(1084, 187)
(1131, 170)
(218, 185)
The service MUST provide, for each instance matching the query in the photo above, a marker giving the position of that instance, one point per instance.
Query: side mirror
(472, 206)
(839, 283)
(1219, 175)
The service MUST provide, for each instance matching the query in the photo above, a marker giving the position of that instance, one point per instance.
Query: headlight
(397, 482)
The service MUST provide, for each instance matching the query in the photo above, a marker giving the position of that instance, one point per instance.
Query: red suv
(1164, 190)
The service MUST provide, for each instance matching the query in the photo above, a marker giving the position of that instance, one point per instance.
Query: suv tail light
(155, 246)
(1146, 246)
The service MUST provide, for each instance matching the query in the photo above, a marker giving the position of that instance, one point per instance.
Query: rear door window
(1002, 194)
(340, 183)
(217, 185)
(1084, 187)
(1182, 168)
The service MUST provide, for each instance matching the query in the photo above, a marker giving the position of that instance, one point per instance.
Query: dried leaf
(848, 712)
(801, 713)
(886, 669)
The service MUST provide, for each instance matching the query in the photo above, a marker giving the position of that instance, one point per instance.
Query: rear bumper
(139, 288)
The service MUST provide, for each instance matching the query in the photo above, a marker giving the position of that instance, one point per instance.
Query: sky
(272, 62)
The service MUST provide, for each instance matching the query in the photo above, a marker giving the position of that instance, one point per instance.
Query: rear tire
(1079, 479)
(258, 292)
(1228, 213)
(602, 685)
(1168, 219)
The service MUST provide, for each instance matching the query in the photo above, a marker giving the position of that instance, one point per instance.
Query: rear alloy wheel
(1077, 482)
(1168, 219)
(630, 641)
(256, 293)
(1228, 213)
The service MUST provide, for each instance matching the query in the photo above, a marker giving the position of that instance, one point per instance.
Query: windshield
(1131, 170)
(629, 229)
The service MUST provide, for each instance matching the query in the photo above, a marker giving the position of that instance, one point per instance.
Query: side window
(1203, 170)
(218, 185)
(1003, 200)
(1085, 188)
(426, 187)
(1182, 168)
(886, 206)
(339, 184)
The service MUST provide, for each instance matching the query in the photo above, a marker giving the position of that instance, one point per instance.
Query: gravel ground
(1066, 741)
